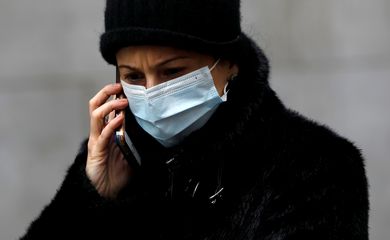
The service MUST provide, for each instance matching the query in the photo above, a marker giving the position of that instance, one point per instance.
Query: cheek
(220, 80)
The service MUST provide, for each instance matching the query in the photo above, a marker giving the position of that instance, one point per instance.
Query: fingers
(108, 132)
(111, 116)
(98, 115)
(103, 95)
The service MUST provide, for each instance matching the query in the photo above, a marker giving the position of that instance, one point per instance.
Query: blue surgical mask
(172, 110)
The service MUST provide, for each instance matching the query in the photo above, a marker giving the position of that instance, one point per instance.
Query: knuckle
(91, 105)
(113, 105)
(91, 102)
(107, 88)
(96, 114)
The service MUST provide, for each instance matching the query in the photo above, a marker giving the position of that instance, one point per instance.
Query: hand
(106, 166)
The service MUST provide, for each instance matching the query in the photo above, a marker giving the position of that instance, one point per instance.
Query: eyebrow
(156, 65)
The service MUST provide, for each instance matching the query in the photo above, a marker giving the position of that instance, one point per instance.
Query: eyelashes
(173, 71)
(133, 76)
(165, 74)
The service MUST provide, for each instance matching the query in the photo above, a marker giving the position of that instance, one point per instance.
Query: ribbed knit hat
(210, 26)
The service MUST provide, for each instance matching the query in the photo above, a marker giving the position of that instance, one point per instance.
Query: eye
(134, 77)
(171, 72)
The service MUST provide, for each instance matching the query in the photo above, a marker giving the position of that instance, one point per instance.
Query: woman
(220, 156)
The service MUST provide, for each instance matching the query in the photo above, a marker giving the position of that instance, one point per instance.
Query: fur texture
(283, 176)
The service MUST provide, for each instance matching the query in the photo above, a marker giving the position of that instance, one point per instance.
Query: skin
(149, 66)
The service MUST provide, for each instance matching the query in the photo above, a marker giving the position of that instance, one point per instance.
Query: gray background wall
(330, 60)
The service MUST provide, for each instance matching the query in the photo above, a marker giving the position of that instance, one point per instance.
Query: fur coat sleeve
(78, 212)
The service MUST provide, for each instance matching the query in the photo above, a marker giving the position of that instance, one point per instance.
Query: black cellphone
(121, 137)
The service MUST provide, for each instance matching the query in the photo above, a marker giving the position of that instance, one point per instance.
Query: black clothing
(279, 176)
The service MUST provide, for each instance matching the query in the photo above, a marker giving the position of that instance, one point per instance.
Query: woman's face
(151, 65)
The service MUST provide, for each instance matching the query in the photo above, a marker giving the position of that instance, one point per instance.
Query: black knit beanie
(209, 26)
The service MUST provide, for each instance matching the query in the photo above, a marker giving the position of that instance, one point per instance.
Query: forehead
(154, 52)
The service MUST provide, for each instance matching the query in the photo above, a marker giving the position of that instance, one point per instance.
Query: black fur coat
(256, 170)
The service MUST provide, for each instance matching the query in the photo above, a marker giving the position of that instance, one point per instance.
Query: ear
(234, 69)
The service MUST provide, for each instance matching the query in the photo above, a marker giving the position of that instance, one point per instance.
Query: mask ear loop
(215, 64)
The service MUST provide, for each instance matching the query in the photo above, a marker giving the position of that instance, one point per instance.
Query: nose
(152, 80)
